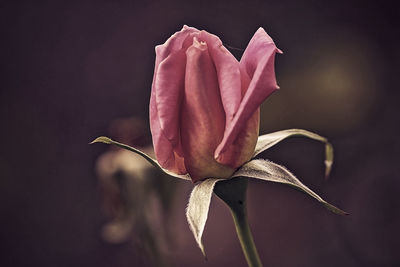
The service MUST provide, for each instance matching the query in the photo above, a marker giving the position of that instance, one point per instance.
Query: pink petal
(203, 117)
(173, 44)
(163, 148)
(242, 148)
(165, 100)
(168, 82)
(258, 63)
(168, 86)
(228, 72)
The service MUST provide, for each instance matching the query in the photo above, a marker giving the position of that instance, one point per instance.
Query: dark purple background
(68, 69)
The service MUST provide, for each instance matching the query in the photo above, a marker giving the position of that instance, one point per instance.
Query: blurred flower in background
(136, 197)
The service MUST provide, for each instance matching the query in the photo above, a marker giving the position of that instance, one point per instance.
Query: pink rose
(204, 105)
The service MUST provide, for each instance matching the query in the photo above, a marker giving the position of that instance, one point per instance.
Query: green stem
(246, 238)
(233, 193)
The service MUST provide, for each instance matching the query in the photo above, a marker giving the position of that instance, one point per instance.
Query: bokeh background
(68, 69)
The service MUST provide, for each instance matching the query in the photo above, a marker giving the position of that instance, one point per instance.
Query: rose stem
(233, 193)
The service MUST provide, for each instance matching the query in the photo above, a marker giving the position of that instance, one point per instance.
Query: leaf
(268, 140)
(107, 140)
(197, 209)
(269, 171)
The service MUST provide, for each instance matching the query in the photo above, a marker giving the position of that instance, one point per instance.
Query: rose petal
(173, 44)
(164, 109)
(258, 63)
(228, 72)
(203, 117)
(242, 148)
(168, 82)
(163, 148)
(168, 86)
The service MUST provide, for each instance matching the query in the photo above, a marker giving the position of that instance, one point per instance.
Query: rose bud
(205, 105)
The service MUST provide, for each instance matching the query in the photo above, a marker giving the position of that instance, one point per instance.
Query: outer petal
(168, 81)
(203, 117)
(166, 95)
(163, 148)
(168, 86)
(242, 148)
(258, 63)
